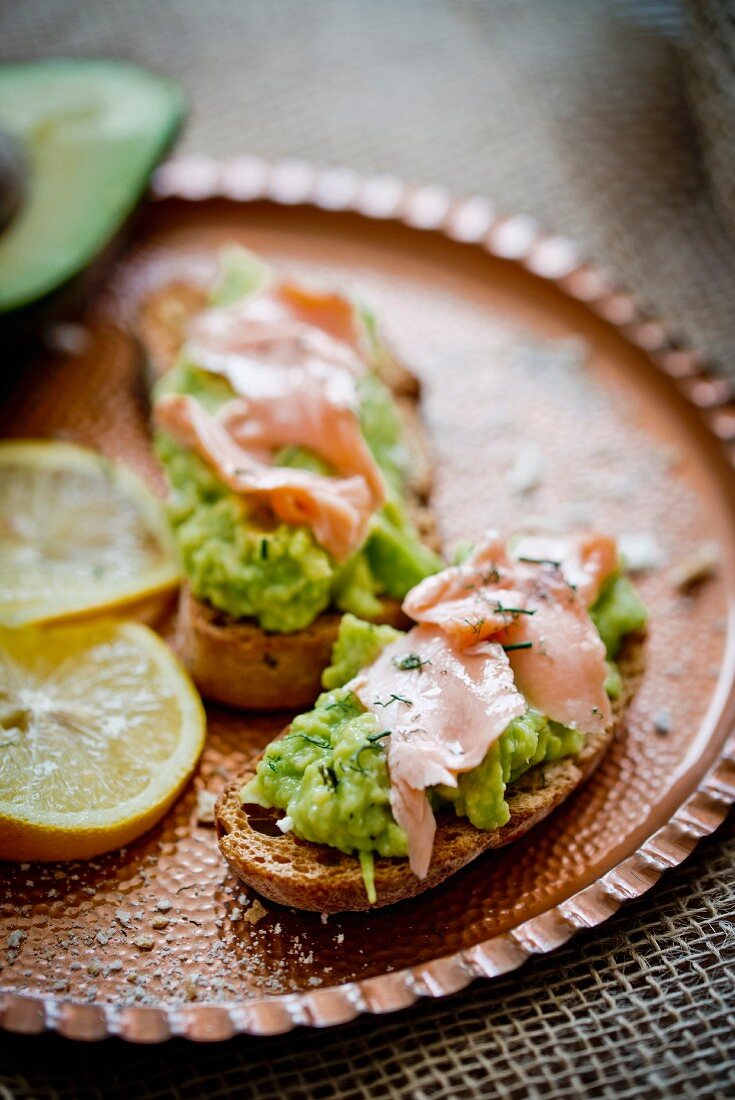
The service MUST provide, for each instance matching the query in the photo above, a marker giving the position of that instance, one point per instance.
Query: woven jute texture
(574, 111)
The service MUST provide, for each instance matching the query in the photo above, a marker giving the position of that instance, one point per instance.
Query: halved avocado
(92, 132)
(13, 176)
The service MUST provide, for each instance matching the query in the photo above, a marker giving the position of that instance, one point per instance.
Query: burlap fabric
(574, 111)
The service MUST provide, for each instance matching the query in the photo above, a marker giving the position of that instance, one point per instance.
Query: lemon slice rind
(30, 833)
(85, 598)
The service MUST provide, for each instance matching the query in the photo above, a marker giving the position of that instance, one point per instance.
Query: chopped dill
(318, 741)
(373, 742)
(513, 610)
(264, 549)
(329, 776)
(410, 661)
(541, 561)
(476, 626)
(339, 704)
(517, 645)
(393, 699)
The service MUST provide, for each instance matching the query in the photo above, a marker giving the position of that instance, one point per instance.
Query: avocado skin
(103, 88)
(13, 172)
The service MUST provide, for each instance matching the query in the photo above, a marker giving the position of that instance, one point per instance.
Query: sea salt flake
(640, 550)
(525, 474)
(205, 807)
(662, 722)
(697, 566)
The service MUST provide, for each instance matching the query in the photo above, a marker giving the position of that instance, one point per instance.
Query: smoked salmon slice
(529, 603)
(444, 707)
(336, 509)
(283, 327)
(292, 359)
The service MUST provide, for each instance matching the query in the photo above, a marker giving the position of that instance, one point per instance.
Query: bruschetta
(430, 746)
(298, 476)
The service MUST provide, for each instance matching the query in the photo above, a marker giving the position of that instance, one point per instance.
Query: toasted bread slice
(162, 321)
(295, 872)
(234, 661)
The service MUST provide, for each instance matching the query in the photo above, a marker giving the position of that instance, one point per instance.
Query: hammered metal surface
(540, 413)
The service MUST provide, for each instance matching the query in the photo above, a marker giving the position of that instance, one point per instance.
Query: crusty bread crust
(161, 324)
(234, 661)
(295, 872)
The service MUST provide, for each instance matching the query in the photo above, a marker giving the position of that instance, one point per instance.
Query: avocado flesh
(93, 131)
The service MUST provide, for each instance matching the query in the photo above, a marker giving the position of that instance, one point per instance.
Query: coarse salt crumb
(15, 939)
(163, 905)
(340, 938)
(640, 550)
(67, 339)
(697, 566)
(525, 474)
(256, 912)
(324, 918)
(205, 807)
(144, 943)
(235, 913)
(662, 722)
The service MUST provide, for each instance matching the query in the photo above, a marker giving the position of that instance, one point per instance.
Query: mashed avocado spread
(329, 773)
(242, 560)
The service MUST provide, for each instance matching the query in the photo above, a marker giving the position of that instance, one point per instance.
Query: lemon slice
(78, 534)
(100, 728)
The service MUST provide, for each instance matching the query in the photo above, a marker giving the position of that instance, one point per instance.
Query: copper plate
(551, 399)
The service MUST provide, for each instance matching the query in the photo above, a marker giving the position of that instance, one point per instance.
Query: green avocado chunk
(330, 775)
(618, 611)
(241, 562)
(358, 644)
(92, 131)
